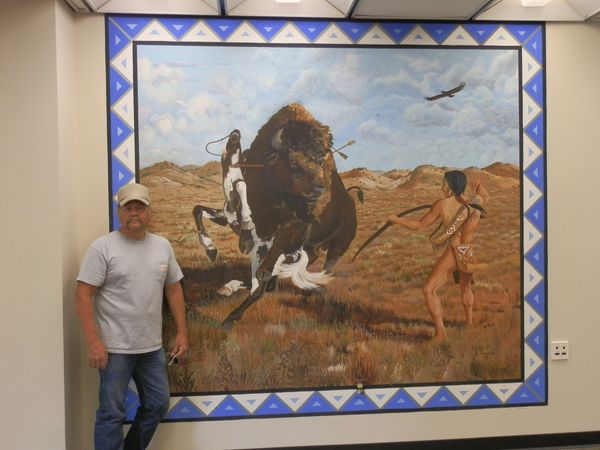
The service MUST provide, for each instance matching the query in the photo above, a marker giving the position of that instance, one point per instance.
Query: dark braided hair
(457, 182)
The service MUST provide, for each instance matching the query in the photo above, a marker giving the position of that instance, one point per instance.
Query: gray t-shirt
(130, 276)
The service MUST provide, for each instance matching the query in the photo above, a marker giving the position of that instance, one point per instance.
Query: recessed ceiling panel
(556, 10)
(497, 10)
(343, 5)
(421, 9)
(272, 8)
(588, 9)
(189, 7)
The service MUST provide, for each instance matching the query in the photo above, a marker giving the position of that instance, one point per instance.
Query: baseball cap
(133, 191)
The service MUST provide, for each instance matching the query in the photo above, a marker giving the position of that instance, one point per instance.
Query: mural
(298, 170)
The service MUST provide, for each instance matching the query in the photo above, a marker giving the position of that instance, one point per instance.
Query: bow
(386, 225)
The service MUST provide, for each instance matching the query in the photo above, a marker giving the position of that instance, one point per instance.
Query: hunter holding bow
(452, 241)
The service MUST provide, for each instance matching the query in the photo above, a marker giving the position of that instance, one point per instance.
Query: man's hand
(392, 220)
(97, 355)
(84, 303)
(174, 294)
(180, 346)
(479, 190)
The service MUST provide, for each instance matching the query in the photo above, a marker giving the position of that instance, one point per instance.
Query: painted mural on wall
(278, 173)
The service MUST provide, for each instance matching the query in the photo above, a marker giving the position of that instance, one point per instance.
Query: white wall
(573, 160)
(573, 71)
(40, 224)
(92, 178)
(67, 134)
(31, 266)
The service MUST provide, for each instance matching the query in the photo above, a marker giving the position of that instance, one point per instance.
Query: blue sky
(190, 95)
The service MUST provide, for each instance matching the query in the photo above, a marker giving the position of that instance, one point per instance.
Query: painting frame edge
(123, 31)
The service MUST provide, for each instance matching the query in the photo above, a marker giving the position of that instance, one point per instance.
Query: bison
(299, 204)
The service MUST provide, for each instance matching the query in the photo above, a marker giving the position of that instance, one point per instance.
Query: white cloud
(149, 72)
(468, 121)
(427, 115)
(202, 104)
(160, 82)
(182, 123)
(380, 106)
(164, 124)
(417, 64)
(398, 80)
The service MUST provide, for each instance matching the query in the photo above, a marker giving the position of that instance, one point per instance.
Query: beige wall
(573, 160)
(31, 164)
(61, 214)
(92, 177)
(68, 94)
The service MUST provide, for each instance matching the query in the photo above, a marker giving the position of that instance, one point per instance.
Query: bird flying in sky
(449, 93)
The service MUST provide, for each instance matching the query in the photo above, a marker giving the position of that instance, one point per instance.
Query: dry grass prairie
(370, 324)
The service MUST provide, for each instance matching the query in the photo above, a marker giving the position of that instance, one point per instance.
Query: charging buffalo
(298, 203)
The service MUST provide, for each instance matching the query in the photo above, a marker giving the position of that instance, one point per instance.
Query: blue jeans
(149, 372)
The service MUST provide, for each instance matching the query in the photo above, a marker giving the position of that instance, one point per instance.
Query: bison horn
(277, 141)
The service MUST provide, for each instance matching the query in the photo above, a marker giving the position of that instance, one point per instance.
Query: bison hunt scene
(269, 167)
(355, 321)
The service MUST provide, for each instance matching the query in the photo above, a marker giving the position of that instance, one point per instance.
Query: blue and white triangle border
(122, 32)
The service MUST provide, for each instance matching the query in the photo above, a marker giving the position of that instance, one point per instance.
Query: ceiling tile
(588, 9)
(496, 10)
(190, 7)
(556, 10)
(271, 8)
(418, 10)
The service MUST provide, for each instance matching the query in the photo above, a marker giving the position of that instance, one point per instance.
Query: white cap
(133, 191)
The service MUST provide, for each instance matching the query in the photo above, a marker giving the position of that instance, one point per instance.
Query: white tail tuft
(298, 273)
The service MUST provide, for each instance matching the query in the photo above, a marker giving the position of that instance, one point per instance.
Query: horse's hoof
(225, 291)
(229, 322)
(263, 275)
(212, 253)
(246, 243)
(271, 285)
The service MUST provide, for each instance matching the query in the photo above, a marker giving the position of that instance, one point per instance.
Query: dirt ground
(370, 324)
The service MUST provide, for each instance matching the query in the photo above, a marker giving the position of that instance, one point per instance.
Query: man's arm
(480, 192)
(418, 224)
(84, 303)
(174, 294)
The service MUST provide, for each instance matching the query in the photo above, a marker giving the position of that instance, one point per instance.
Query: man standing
(119, 305)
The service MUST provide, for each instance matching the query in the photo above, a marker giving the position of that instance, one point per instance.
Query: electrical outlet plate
(559, 350)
